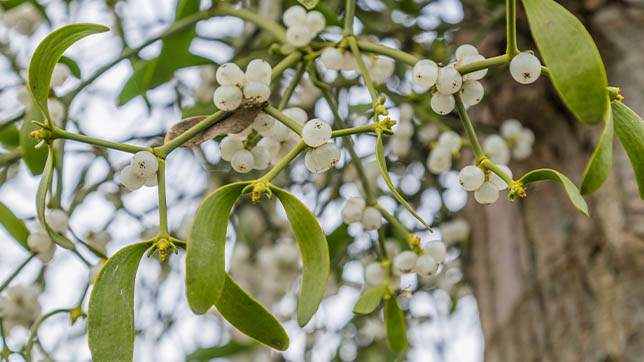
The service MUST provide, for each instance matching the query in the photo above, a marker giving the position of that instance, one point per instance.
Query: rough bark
(552, 284)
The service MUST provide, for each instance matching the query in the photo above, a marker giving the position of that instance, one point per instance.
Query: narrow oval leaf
(395, 325)
(41, 201)
(205, 254)
(309, 4)
(369, 300)
(47, 55)
(229, 349)
(576, 68)
(72, 65)
(10, 137)
(314, 250)
(629, 128)
(110, 315)
(382, 163)
(552, 175)
(15, 227)
(600, 162)
(250, 317)
(34, 158)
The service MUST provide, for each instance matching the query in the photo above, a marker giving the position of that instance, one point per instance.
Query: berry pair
(237, 85)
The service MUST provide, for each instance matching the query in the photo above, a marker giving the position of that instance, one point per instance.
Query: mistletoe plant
(256, 130)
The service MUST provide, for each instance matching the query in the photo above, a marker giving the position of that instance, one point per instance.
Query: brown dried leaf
(234, 123)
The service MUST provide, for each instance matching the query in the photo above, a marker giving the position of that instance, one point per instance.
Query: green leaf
(338, 240)
(315, 254)
(110, 321)
(47, 55)
(34, 158)
(395, 325)
(205, 253)
(41, 201)
(72, 65)
(199, 109)
(575, 65)
(15, 227)
(134, 86)
(309, 4)
(250, 317)
(10, 137)
(629, 128)
(600, 162)
(369, 300)
(382, 163)
(552, 175)
(229, 349)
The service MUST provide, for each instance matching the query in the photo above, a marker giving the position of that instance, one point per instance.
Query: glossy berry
(436, 249)
(511, 129)
(295, 15)
(449, 80)
(322, 158)
(471, 178)
(371, 219)
(525, 68)
(465, 50)
(130, 180)
(426, 265)
(257, 92)
(496, 149)
(353, 210)
(227, 97)
(151, 181)
(487, 194)
(269, 144)
(450, 140)
(472, 92)
(439, 160)
(405, 262)
(497, 180)
(297, 114)
(374, 275)
(259, 70)
(332, 58)
(316, 132)
(298, 35)
(263, 122)
(315, 21)
(144, 164)
(442, 104)
(243, 161)
(425, 73)
(41, 244)
(261, 157)
(229, 146)
(230, 74)
(57, 220)
(477, 75)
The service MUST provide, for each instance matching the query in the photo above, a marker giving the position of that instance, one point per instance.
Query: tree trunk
(551, 283)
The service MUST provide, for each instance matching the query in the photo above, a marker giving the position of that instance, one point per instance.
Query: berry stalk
(469, 129)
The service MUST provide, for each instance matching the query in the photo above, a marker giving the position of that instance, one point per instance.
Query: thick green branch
(390, 52)
(349, 15)
(59, 133)
(354, 130)
(163, 151)
(163, 207)
(301, 146)
(469, 129)
(511, 28)
(365, 73)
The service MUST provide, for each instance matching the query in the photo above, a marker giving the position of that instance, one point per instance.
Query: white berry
(298, 35)
(449, 80)
(472, 92)
(439, 160)
(322, 158)
(477, 75)
(57, 220)
(269, 144)
(442, 104)
(261, 156)
(315, 21)
(316, 132)
(41, 244)
(405, 262)
(450, 140)
(130, 180)
(353, 210)
(243, 161)
(511, 129)
(371, 219)
(374, 275)
(332, 58)
(257, 92)
(465, 50)
(259, 70)
(230, 74)
(295, 15)
(144, 164)
(151, 181)
(471, 177)
(497, 180)
(263, 122)
(425, 73)
(496, 149)
(229, 146)
(436, 249)
(426, 265)
(60, 75)
(455, 230)
(297, 114)
(227, 97)
(525, 68)
(487, 194)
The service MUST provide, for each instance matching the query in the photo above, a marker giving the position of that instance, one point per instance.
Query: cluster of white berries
(440, 157)
(455, 230)
(142, 171)
(525, 68)
(237, 86)
(519, 138)
(401, 140)
(323, 154)
(379, 67)
(19, 307)
(302, 26)
(39, 241)
(447, 80)
(23, 18)
(486, 187)
(356, 210)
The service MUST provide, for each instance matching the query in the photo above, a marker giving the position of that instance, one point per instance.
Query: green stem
(266, 24)
(511, 28)
(390, 52)
(16, 272)
(393, 220)
(287, 121)
(382, 247)
(34, 331)
(486, 163)
(291, 87)
(349, 15)
(280, 67)
(483, 64)
(365, 74)
(469, 128)
(354, 130)
(59, 133)
(163, 151)
(301, 146)
(163, 207)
